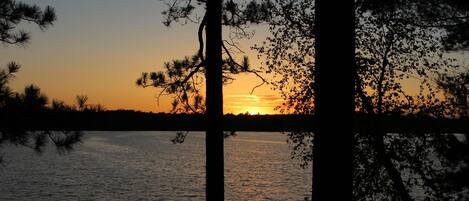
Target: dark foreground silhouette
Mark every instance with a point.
(123, 120)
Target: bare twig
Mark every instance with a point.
(264, 81)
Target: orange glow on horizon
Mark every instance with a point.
(251, 104)
(101, 57)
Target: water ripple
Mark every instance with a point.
(146, 166)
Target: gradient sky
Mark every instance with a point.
(99, 47)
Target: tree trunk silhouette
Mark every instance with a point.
(394, 174)
(382, 155)
(214, 103)
(334, 100)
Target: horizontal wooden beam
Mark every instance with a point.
(114, 121)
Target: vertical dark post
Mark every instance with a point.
(214, 102)
(334, 101)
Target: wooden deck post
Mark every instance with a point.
(334, 101)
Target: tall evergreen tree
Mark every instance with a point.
(13, 13)
(214, 104)
(182, 78)
(17, 109)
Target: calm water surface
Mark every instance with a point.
(147, 166)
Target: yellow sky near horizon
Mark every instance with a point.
(98, 48)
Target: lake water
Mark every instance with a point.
(147, 166)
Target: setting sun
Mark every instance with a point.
(234, 100)
(251, 104)
(253, 112)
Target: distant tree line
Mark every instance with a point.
(397, 42)
(16, 108)
(28, 119)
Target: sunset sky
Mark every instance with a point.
(98, 48)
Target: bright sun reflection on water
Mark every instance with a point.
(134, 165)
